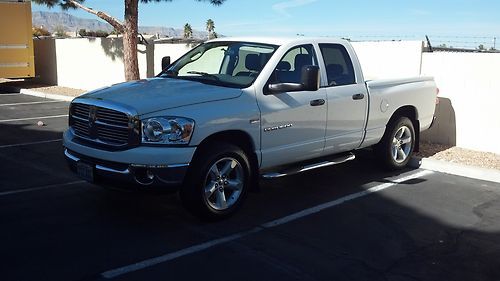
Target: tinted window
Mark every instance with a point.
(289, 68)
(251, 60)
(338, 64)
(229, 64)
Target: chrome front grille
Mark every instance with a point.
(104, 126)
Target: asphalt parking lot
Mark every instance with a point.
(348, 222)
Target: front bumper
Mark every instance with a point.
(144, 167)
(130, 175)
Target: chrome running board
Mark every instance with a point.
(297, 170)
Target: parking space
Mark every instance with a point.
(30, 153)
(9, 98)
(19, 115)
(347, 222)
(35, 109)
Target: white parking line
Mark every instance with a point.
(28, 143)
(1, 95)
(29, 103)
(39, 188)
(33, 118)
(304, 213)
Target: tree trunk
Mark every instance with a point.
(130, 40)
(111, 20)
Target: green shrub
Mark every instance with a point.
(40, 31)
(98, 33)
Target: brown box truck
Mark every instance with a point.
(16, 42)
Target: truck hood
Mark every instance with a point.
(151, 95)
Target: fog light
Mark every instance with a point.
(144, 176)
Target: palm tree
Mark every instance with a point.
(210, 28)
(188, 31)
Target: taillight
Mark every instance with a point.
(437, 98)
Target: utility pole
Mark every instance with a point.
(494, 43)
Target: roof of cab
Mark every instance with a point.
(281, 40)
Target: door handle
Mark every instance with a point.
(358, 96)
(317, 102)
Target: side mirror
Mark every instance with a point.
(309, 81)
(165, 62)
(310, 77)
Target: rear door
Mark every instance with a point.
(293, 123)
(347, 100)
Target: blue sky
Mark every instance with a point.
(472, 20)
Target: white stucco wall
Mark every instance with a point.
(175, 51)
(87, 64)
(389, 59)
(470, 83)
(45, 61)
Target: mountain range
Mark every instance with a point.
(52, 20)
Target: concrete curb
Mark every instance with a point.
(29, 92)
(46, 95)
(455, 169)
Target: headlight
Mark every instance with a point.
(167, 130)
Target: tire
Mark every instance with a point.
(217, 182)
(397, 144)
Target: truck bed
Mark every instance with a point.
(387, 95)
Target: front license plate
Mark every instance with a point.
(85, 171)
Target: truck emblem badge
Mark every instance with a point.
(92, 116)
(91, 122)
(274, 128)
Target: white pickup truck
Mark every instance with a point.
(233, 110)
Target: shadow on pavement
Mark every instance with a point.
(434, 228)
(24, 133)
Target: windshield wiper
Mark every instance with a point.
(204, 74)
(167, 73)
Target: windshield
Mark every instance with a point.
(229, 64)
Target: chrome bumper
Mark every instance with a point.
(144, 176)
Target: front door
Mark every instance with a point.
(293, 124)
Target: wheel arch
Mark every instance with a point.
(236, 137)
(411, 113)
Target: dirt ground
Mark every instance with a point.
(35, 86)
(459, 155)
